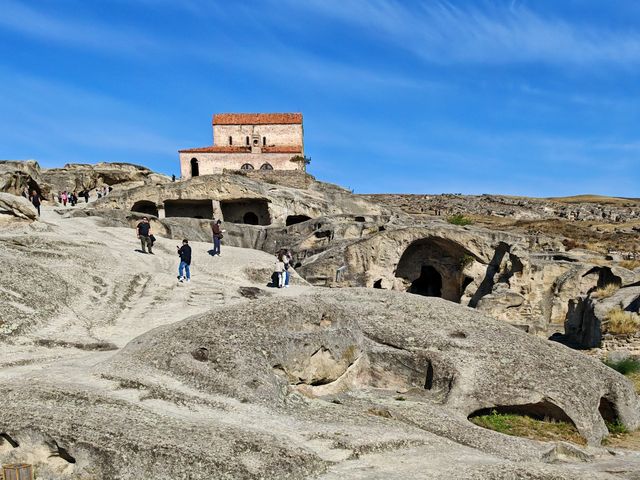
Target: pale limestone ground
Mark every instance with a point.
(157, 300)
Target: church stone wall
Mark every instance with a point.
(275, 134)
(216, 163)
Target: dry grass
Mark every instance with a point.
(635, 378)
(619, 322)
(630, 264)
(630, 441)
(599, 199)
(523, 426)
(606, 291)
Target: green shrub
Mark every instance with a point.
(616, 427)
(524, 426)
(625, 367)
(459, 219)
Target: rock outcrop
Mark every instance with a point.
(313, 389)
(78, 177)
(16, 175)
(17, 206)
(338, 239)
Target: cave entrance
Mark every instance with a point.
(293, 219)
(146, 207)
(543, 410)
(188, 208)
(250, 218)
(250, 211)
(429, 283)
(433, 267)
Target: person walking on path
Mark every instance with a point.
(185, 261)
(35, 200)
(86, 195)
(217, 236)
(64, 198)
(143, 230)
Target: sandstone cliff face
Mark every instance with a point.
(78, 177)
(519, 208)
(528, 280)
(15, 176)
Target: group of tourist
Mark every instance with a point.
(283, 265)
(103, 191)
(69, 197)
(281, 276)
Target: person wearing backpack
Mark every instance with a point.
(143, 230)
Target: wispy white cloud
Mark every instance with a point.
(81, 32)
(74, 118)
(441, 32)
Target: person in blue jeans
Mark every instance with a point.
(217, 235)
(185, 261)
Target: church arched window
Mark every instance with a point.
(246, 166)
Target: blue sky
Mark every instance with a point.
(523, 97)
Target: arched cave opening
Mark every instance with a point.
(608, 411)
(377, 283)
(429, 283)
(605, 277)
(250, 211)
(428, 383)
(293, 219)
(250, 218)
(433, 267)
(146, 207)
(543, 410)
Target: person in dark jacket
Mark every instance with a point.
(143, 229)
(185, 261)
(35, 200)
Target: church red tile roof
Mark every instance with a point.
(257, 118)
(282, 149)
(218, 149)
(243, 149)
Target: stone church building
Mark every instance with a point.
(248, 141)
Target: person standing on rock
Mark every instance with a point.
(279, 269)
(86, 195)
(217, 236)
(185, 261)
(143, 230)
(286, 260)
(35, 200)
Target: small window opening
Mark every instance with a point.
(264, 141)
(195, 170)
(230, 140)
(247, 140)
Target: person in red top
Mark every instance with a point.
(217, 235)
